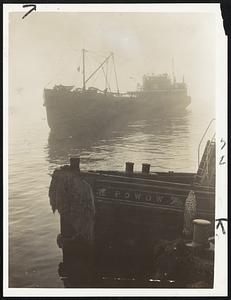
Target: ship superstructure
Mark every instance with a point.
(70, 108)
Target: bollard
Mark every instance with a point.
(74, 163)
(201, 233)
(129, 167)
(145, 168)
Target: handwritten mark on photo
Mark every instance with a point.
(220, 224)
(29, 5)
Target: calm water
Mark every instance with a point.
(167, 144)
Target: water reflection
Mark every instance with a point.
(122, 264)
(115, 267)
(156, 141)
(71, 279)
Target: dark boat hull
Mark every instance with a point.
(135, 212)
(150, 205)
(77, 113)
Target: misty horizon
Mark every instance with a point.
(46, 49)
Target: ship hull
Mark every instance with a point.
(152, 204)
(77, 113)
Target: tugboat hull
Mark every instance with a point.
(154, 204)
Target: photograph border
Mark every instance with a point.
(221, 241)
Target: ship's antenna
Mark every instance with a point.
(84, 82)
(117, 86)
(173, 72)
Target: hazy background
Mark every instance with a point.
(46, 48)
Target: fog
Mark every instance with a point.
(45, 49)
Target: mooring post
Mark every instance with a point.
(74, 163)
(200, 244)
(145, 168)
(66, 228)
(129, 167)
(201, 232)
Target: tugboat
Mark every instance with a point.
(153, 202)
(76, 111)
(135, 210)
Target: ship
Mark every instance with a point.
(78, 110)
(135, 212)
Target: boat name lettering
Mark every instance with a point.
(143, 196)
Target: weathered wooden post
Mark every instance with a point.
(145, 168)
(72, 196)
(129, 167)
(74, 163)
(66, 229)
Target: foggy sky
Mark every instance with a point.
(45, 47)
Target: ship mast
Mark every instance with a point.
(84, 82)
(99, 67)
